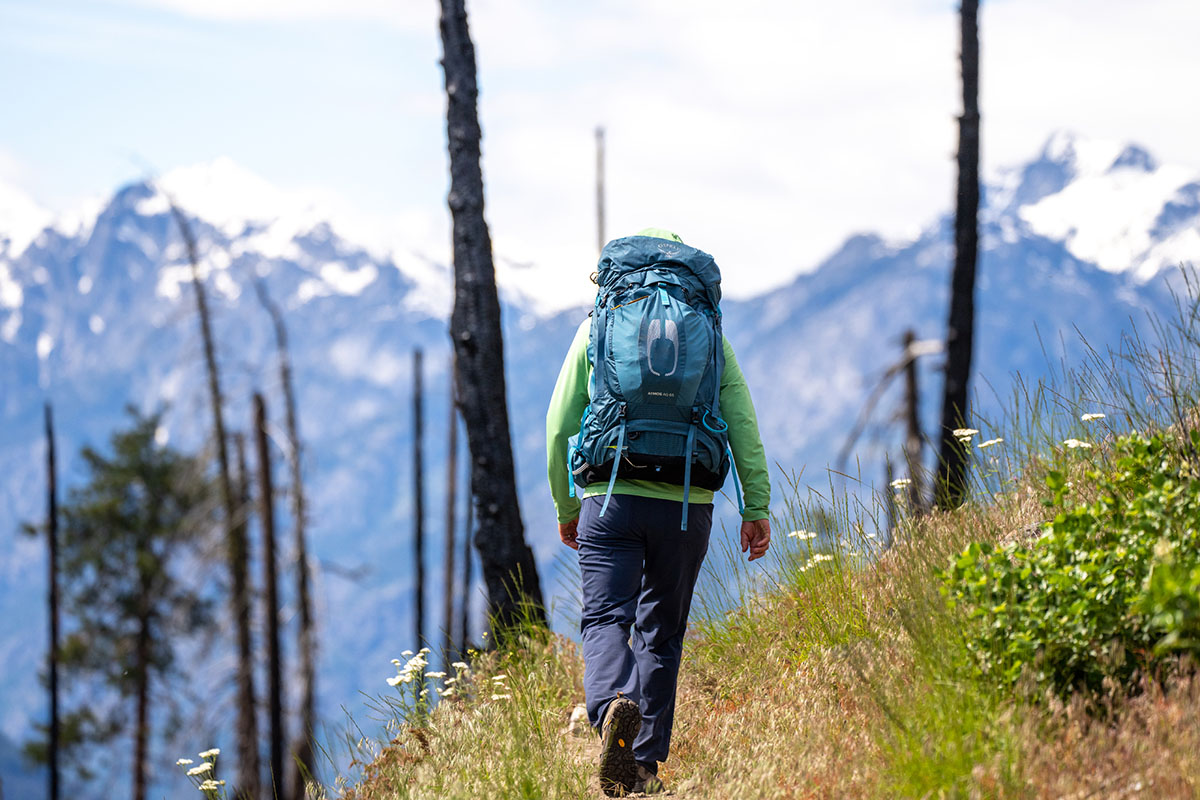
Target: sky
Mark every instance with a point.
(762, 132)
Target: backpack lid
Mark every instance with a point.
(631, 253)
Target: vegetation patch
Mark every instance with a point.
(1109, 589)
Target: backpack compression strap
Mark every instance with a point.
(687, 471)
(737, 487)
(617, 464)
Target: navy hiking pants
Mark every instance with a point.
(638, 573)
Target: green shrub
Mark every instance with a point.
(1108, 589)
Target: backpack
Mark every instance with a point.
(657, 356)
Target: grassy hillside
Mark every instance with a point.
(1037, 642)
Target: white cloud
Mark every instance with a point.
(403, 15)
(763, 133)
(1107, 69)
(766, 132)
(21, 220)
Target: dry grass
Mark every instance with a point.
(1151, 750)
(488, 745)
(841, 681)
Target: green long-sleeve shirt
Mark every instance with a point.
(571, 398)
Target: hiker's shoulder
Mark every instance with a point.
(582, 334)
(730, 356)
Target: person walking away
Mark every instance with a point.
(649, 414)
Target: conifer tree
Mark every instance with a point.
(121, 543)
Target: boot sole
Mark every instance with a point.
(618, 767)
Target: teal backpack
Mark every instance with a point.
(657, 355)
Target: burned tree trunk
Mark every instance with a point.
(889, 476)
(247, 731)
(419, 498)
(451, 502)
(468, 528)
(235, 535)
(52, 600)
(600, 240)
(508, 565)
(952, 461)
(302, 750)
(912, 423)
(266, 514)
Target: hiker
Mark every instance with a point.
(648, 378)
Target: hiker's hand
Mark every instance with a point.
(756, 537)
(567, 531)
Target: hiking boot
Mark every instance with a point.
(647, 782)
(618, 768)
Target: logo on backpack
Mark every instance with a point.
(662, 347)
(657, 356)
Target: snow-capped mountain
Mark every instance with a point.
(1112, 206)
(97, 312)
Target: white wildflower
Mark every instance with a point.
(500, 677)
(213, 753)
(989, 443)
(803, 535)
(460, 665)
(1075, 443)
(200, 770)
(396, 680)
(407, 653)
(183, 762)
(210, 785)
(965, 435)
(435, 674)
(1091, 416)
(819, 557)
(901, 483)
(502, 697)
(423, 651)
